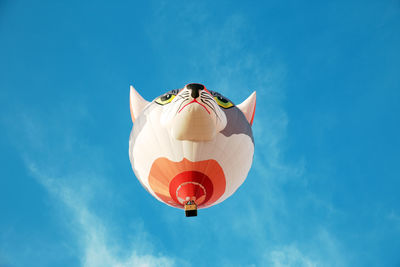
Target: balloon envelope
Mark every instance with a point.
(191, 144)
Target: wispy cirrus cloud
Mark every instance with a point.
(91, 232)
(289, 256)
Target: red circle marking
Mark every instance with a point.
(191, 185)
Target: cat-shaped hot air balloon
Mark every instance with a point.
(191, 147)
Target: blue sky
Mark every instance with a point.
(324, 186)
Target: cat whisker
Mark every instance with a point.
(209, 104)
(207, 96)
(179, 108)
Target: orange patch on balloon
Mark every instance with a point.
(176, 182)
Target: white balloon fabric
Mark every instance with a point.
(191, 145)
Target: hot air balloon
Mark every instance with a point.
(191, 148)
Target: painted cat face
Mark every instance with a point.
(191, 140)
(193, 114)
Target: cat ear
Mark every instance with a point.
(248, 107)
(137, 103)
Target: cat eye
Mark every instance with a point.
(223, 102)
(165, 99)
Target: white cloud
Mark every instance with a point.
(91, 233)
(289, 256)
(321, 249)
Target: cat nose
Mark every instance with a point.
(195, 88)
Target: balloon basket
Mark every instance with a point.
(190, 209)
